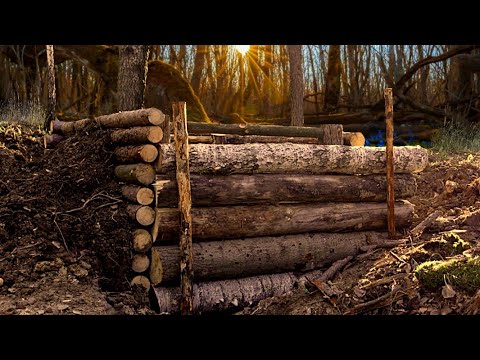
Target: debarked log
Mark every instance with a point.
(293, 158)
(233, 222)
(215, 190)
(260, 255)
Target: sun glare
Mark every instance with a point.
(242, 49)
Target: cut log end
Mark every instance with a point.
(353, 139)
(137, 135)
(142, 241)
(143, 174)
(142, 281)
(137, 194)
(145, 153)
(155, 116)
(140, 263)
(144, 215)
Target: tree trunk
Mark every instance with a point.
(138, 194)
(132, 74)
(328, 134)
(137, 135)
(353, 139)
(125, 119)
(266, 255)
(136, 153)
(293, 158)
(215, 190)
(138, 174)
(296, 84)
(144, 215)
(142, 241)
(52, 98)
(227, 222)
(198, 66)
(332, 82)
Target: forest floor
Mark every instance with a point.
(65, 239)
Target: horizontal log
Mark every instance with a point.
(227, 294)
(137, 135)
(353, 139)
(140, 263)
(255, 256)
(141, 280)
(215, 190)
(123, 119)
(292, 158)
(140, 174)
(136, 153)
(323, 133)
(142, 241)
(52, 140)
(138, 194)
(248, 139)
(144, 215)
(233, 222)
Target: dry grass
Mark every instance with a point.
(30, 113)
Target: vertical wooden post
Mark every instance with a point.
(184, 206)
(390, 170)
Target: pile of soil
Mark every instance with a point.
(64, 234)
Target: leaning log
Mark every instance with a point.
(140, 174)
(136, 153)
(292, 158)
(329, 134)
(215, 190)
(353, 139)
(144, 215)
(233, 222)
(123, 119)
(52, 140)
(227, 294)
(255, 256)
(137, 194)
(137, 135)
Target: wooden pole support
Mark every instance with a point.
(390, 168)
(184, 206)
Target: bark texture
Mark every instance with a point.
(132, 73)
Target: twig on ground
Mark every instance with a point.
(418, 230)
(63, 238)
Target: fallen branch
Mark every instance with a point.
(418, 230)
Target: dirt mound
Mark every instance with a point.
(61, 206)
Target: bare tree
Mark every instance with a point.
(52, 99)
(132, 75)
(198, 67)
(296, 85)
(332, 82)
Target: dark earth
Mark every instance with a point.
(65, 238)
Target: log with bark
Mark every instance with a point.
(255, 256)
(140, 263)
(215, 190)
(142, 241)
(227, 294)
(52, 140)
(144, 215)
(124, 119)
(140, 174)
(292, 158)
(248, 139)
(230, 222)
(353, 139)
(136, 153)
(328, 134)
(137, 135)
(138, 194)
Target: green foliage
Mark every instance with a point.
(30, 113)
(464, 273)
(457, 137)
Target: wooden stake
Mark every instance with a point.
(184, 206)
(390, 169)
